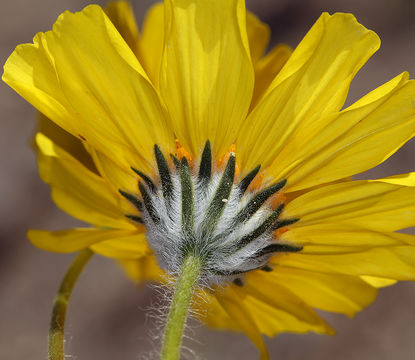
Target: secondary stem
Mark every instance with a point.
(183, 293)
(60, 304)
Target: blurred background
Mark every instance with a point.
(107, 315)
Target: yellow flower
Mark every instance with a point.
(310, 237)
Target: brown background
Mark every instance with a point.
(107, 317)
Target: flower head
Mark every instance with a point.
(186, 138)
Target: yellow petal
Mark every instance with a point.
(117, 176)
(208, 310)
(267, 68)
(313, 83)
(152, 42)
(258, 36)
(206, 76)
(122, 16)
(343, 235)
(142, 269)
(76, 190)
(289, 312)
(401, 179)
(232, 304)
(85, 78)
(378, 282)
(330, 292)
(272, 314)
(394, 262)
(358, 138)
(67, 142)
(66, 241)
(372, 204)
(272, 321)
(129, 246)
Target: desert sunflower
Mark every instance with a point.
(185, 146)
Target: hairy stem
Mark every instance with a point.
(60, 304)
(183, 294)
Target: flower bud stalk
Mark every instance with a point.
(182, 298)
(57, 323)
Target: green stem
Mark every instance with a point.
(183, 294)
(60, 304)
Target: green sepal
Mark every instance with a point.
(218, 203)
(246, 181)
(148, 203)
(267, 224)
(267, 268)
(275, 248)
(146, 179)
(257, 201)
(284, 222)
(132, 199)
(135, 218)
(232, 273)
(187, 197)
(164, 172)
(238, 282)
(176, 162)
(205, 169)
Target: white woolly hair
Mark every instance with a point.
(167, 238)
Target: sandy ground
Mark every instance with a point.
(107, 317)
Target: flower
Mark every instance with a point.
(279, 241)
